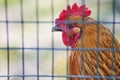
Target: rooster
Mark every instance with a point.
(95, 50)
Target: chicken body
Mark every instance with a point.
(102, 62)
(95, 50)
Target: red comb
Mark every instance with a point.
(75, 10)
(84, 11)
(63, 15)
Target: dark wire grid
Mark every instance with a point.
(63, 49)
(47, 22)
(37, 35)
(97, 43)
(82, 37)
(113, 38)
(22, 28)
(64, 76)
(53, 49)
(52, 18)
(67, 50)
(7, 34)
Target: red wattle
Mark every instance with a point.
(67, 40)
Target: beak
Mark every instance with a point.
(56, 28)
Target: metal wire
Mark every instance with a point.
(82, 37)
(113, 38)
(64, 76)
(97, 43)
(7, 34)
(22, 28)
(52, 18)
(39, 74)
(67, 50)
(37, 35)
(47, 22)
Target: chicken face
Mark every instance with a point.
(70, 32)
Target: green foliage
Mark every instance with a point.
(9, 2)
(3, 54)
(2, 2)
(13, 55)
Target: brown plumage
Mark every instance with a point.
(90, 41)
(100, 56)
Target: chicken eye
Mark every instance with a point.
(70, 26)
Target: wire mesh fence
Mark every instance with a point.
(28, 48)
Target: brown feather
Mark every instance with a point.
(89, 40)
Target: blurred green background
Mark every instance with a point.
(45, 35)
